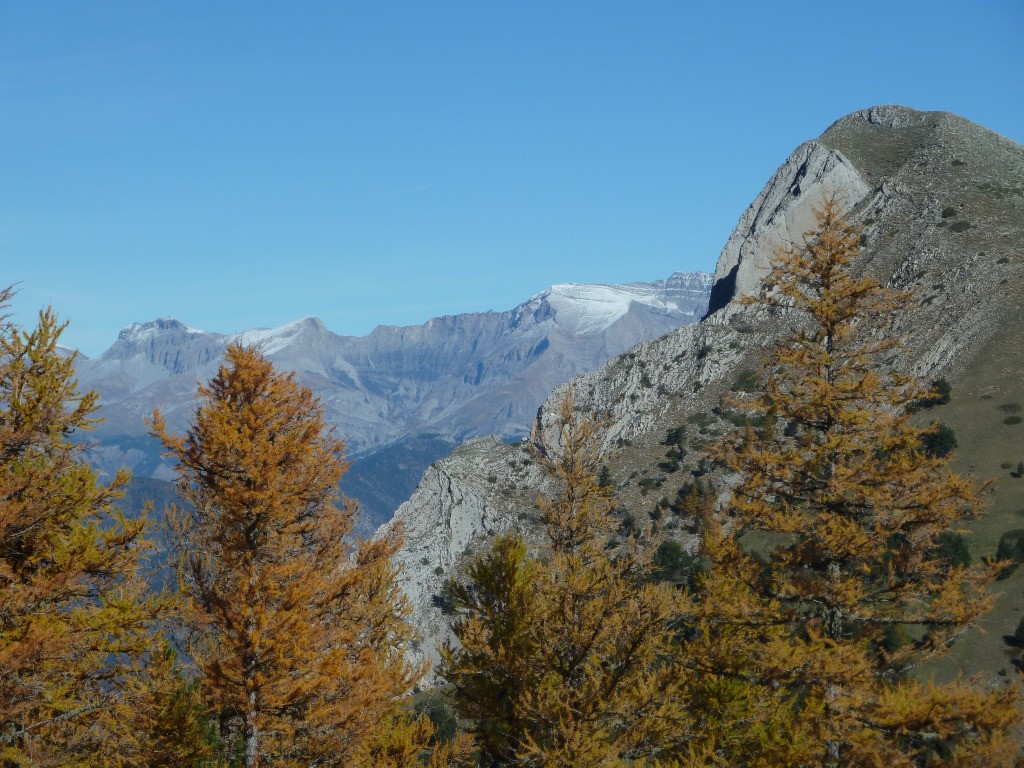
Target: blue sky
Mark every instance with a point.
(244, 164)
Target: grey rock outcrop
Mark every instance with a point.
(781, 213)
(459, 504)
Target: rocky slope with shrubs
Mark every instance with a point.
(941, 204)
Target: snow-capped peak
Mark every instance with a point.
(140, 331)
(593, 307)
(271, 340)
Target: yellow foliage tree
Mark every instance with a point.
(75, 617)
(404, 744)
(793, 638)
(562, 659)
(298, 636)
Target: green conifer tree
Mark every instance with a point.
(562, 659)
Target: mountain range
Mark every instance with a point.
(401, 397)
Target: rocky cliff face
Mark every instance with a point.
(782, 212)
(941, 203)
(414, 391)
(483, 488)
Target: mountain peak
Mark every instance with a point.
(309, 322)
(589, 308)
(891, 116)
(138, 331)
(939, 202)
(271, 340)
(686, 281)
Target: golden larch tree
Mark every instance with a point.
(299, 636)
(793, 641)
(76, 618)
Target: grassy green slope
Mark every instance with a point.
(991, 393)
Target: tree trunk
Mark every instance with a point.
(251, 735)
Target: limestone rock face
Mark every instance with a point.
(458, 504)
(780, 214)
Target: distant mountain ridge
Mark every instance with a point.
(417, 390)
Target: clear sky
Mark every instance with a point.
(242, 164)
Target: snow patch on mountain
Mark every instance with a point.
(592, 308)
(272, 340)
(142, 331)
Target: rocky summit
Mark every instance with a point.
(940, 201)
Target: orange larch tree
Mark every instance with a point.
(793, 640)
(299, 636)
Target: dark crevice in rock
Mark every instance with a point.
(722, 291)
